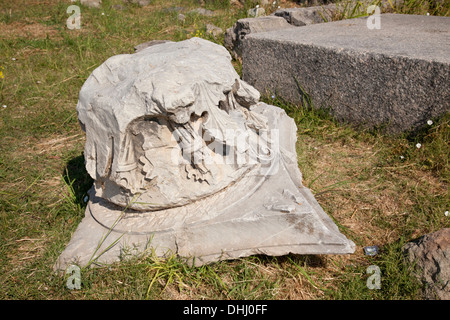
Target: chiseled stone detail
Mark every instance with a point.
(187, 160)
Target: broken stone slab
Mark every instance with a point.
(309, 15)
(393, 78)
(329, 12)
(235, 35)
(187, 161)
(181, 17)
(430, 255)
(296, 17)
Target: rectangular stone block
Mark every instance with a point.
(395, 77)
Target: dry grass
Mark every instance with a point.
(27, 29)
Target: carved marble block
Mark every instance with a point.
(187, 160)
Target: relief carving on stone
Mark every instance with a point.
(183, 131)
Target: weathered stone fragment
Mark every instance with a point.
(395, 77)
(91, 3)
(304, 16)
(213, 30)
(187, 160)
(430, 255)
(235, 35)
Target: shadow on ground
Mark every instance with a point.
(76, 176)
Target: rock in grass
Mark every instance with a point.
(213, 30)
(256, 12)
(141, 3)
(305, 16)
(202, 12)
(91, 3)
(430, 254)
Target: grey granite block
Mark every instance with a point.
(394, 77)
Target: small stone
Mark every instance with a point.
(305, 16)
(91, 3)
(181, 17)
(202, 12)
(149, 118)
(256, 12)
(237, 3)
(213, 30)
